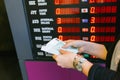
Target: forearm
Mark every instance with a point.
(96, 72)
(100, 73)
(97, 50)
(82, 64)
(102, 53)
(86, 66)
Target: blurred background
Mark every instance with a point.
(9, 66)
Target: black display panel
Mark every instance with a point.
(90, 20)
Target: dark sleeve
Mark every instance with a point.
(98, 72)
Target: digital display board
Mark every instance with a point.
(90, 20)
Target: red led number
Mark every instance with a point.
(92, 20)
(67, 11)
(92, 1)
(66, 2)
(68, 20)
(60, 37)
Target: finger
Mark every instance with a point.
(54, 56)
(64, 51)
(81, 49)
(68, 44)
(67, 41)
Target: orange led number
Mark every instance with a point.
(58, 20)
(92, 1)
(92, 10)
(60, 37)
(92, 20)
(59, 29)
(57, 11)
(92, 38)
(92, 29)
(57, 2)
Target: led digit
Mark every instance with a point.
(103, 9)
(113, 19)
(66, 2)
(92, 1)
(59, 30)
(57, 2)
(68, 20)
(60, 37)
(99, 1)
(92, 38)
(114, 9)
(67, 11)
(92, 20)
(108, 20)
(57, 11)
(92, 10)
(58, 20)
(92, 29)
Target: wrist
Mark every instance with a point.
(78, 62)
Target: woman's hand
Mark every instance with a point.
(91, 48)
(65, 59)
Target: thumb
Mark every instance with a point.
(81, 50)
(62, 51)
(67, 45)
(54, 56)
